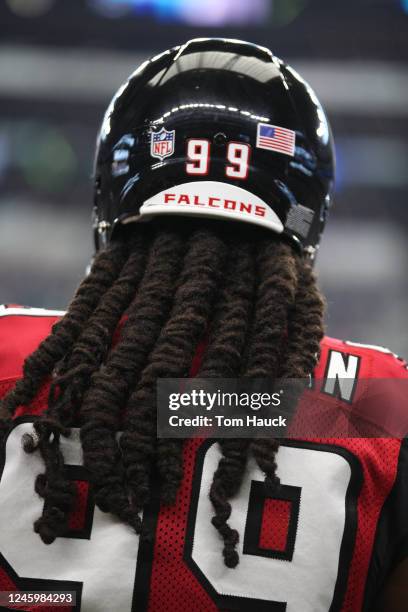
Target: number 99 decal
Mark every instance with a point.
(199, 152)
(238, 154)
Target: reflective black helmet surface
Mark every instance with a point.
(218, 128)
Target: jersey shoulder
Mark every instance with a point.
(21, 331)
(344, 357)
(359, 389)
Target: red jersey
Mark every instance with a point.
(327, 542)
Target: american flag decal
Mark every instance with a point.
(275, 138)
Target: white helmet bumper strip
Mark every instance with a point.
(211, 199)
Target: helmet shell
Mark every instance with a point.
(221, 128)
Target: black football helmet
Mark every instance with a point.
(218, 128)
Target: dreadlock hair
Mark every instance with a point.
(170, 284)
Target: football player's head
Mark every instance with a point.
(220, 129)
(212, 180)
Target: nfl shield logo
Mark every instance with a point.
(162, 143)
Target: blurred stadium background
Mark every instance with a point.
(60, 62)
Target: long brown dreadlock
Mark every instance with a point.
(245, 291)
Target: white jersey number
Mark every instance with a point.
(67, 559)
(304, 576)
